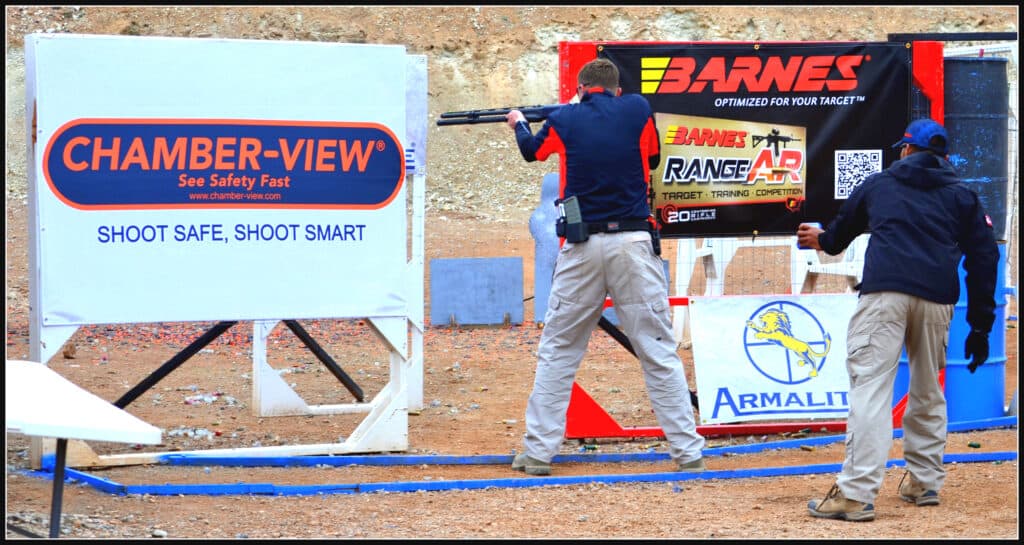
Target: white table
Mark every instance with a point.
(40, 402)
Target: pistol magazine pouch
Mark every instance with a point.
(570, 222)
(573, 232)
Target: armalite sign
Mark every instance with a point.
(786, 357)
(759, 137)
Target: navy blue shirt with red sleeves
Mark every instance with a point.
(608, 144)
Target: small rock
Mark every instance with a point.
(159, 533)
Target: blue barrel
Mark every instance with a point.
(977, 112)
(980, 395)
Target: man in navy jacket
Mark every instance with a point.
(922, 220)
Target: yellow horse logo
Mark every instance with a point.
(775, 328)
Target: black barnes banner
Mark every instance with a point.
(756, 138)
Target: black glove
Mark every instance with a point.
(976, 348)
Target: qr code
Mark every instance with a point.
(852, 166)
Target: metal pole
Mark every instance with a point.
(624, 341)
(323, 356)
(173, 363)
(58, 488)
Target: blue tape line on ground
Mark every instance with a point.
(521, 482)
(201, 489)
(271, 489)
(99, 483)
(967, 458)
(73, 475)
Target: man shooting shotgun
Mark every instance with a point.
(609, 144)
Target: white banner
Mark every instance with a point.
(771, 357)
(190, 179)
(416, 115)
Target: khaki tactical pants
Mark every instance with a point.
(623, 265)
(879, 328)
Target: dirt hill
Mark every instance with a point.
(479, 57)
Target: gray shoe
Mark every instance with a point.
(530, 465)
(913, 491)
(693, 466)
(837, 506)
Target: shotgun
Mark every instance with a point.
(496, 115)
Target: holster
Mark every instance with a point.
(570, 221)
(573, 232)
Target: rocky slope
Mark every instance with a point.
(478, 57)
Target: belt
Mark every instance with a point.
(615, 226)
